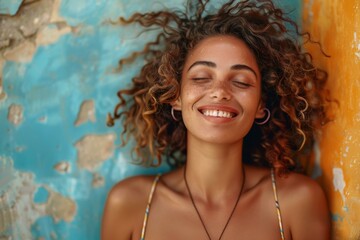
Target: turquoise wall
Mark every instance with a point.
(58, 159)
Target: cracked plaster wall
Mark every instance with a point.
(58, 159)
(336, 24)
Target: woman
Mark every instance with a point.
(230, 98)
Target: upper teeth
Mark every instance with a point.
(217, 113)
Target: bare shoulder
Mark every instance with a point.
(130, 189)
(304, 205)
(300, 190)
(125, 207)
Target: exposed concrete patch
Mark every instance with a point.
(51, 33)
(53, 235)
(60, 207)
(356, 46)
(6, 172)
(23, 52)
(93, 150)
(98, 180)
(20, 148)
(3, 94)
(86, 112)
(20, 30)
(17, 208)
(18, 211)
(339, 182)
(7, 215)
(7, 175)
(36, 23)
(15, 114)
(63, 167)
(5, 238)
(43, 119)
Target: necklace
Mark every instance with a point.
(198, 213)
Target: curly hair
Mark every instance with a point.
(293, 89)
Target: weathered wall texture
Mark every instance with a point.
(336, 24)
(58, 159)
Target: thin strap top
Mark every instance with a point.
(147, 211)
(277, 205)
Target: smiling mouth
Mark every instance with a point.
(218, 113)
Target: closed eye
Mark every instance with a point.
(200, 78)
(241, 84)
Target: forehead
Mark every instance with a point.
(224, 50)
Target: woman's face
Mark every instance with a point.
(220, 90)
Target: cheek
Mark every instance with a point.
(190, 94)
(249, 100)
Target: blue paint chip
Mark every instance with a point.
(336, 217)
(41, 196)
(9, 6)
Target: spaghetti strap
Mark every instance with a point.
(147, 211)
(277, 204)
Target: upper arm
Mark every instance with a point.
(122, 210)
(114, 225)
(309, 218)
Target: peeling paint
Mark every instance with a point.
(20, 148)
(18, 210)
(98, 180)
(336, 217)
(17, 35)
(53, 235)
(356, 46)
(15, 114)
(6, 172)
(21, 53)
(94, 149)
(43, 119)
(63, 167)
(3, 95)
(86, 112)
(52, 32)
(339, 182)
(36, 23)
(5, 238)
(7, 212)
(60, 207)
(8, 216)
(317, 172)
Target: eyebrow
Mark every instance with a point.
(213, 65)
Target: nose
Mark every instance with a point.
(220, 90)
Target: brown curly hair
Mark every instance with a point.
(293, 89)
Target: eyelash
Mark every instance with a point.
(199, 79)
(241, 84)
(236, 83)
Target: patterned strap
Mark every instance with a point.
(147, 211)
(277, 204)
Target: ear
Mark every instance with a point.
(260, 113)
(176, 104)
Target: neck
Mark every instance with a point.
(214, 171)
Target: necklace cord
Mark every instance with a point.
(198, 213)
